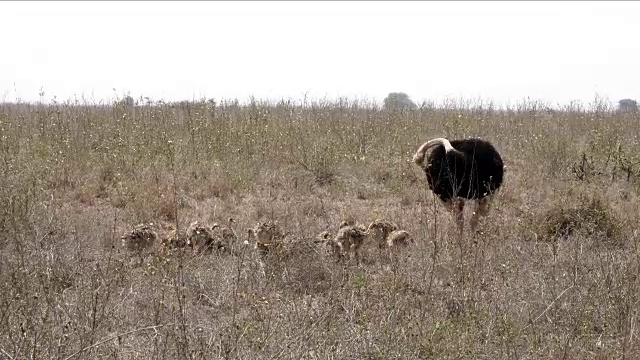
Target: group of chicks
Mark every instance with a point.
(350, 238)
(201, 238)
(266, 237)
(198, 237)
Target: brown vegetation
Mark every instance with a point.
(551, 274)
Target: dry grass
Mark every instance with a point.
(552, 274)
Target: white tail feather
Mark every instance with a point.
(418, 157)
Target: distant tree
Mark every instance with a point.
(126, 101)
(399, 100)
(627, 105)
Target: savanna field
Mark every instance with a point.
(552, 272)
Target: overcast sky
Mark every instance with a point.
(550, 50)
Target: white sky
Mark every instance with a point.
(550, 50)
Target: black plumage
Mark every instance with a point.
(473, 169)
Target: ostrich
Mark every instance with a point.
(399, 238)
(141, 237)
(228, 234)
(225, 236)
(349, 222)
(347, 241)
(462, 170)
(269, 243)
(200, 238)
(351, 238)
(380, 230)
(388, 236)
(267, 235)
(174, 240)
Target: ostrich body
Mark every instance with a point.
(389, 236)
(224, 236)
(380, 230)
(267, 235)
(461, 170)
(350, 238)
(141, 237)
(399, 238)
(347, 242)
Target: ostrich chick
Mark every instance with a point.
(141, 237)
(267, 235)
(347, 241)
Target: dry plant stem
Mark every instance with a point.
(178, 281)
(553, 273)
(236, 285)
(6, 354)
(154, 327)
(434, 255)
(547, 308)
(478, 266)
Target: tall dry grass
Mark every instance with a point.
(554, 273)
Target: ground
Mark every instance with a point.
(552, 272)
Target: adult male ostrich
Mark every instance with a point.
(461, 170)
